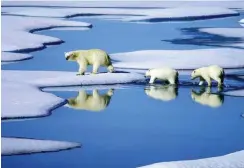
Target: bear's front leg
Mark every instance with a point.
(82, 68)
(208, 80)
(95, 68)
(152, 79)
(201, 81)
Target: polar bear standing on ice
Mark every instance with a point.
(91, 102)
(166, 74)
(208, 73)
(95, 57)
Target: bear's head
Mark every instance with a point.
(111, 68)
(148, 73)
(70, 56)
(195, 74)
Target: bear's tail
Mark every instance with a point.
(177, 78)
(222, 76)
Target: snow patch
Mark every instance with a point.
(126, 4)
(59, 78)
(229, 33)
(17, 146)
(154, 15)
(235, 93)
(232, 160)
(179, 59)
(10, 57)
(22, 37)
(24, 101)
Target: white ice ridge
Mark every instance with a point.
(18, 146)
(232, 160)
(166, 14)
(179, 59)
(59, 78)
(229, 33)
(17, 36)
(24, 99)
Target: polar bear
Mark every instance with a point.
(164, 93)
(165, 74)
(94, 102)
(95, 57)
(208, 73)
(205, 97)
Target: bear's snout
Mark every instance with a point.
(67, 58)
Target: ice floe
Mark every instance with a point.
(237, 33)
(24, 101)
(18, 146)
(154, 15)
(9, 57)
(59, 78)
(179, 59)
(22, 37)
(124, 4)
(232, 160)
(236, 93)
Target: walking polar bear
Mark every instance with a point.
(95, 57)
(208, 73)
(91, 102)
(165, 74)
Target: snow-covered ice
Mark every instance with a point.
(232, 160)
(23, 98)
(59, 78)
(23, 101)
(9, 57)
(167, 14)
(179, 59)
(22, 37)
(229, 33)
(148, 4)
(17, 146)
(236, 93)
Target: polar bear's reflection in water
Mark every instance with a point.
(205, 97)
(164, 93)
(91, 102)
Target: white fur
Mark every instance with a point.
(95, 57)
(208, 73)
(165, 74)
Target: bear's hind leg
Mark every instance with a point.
(172, 81)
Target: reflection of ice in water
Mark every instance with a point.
(205, 97)
(164, 93)
(90, 102)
